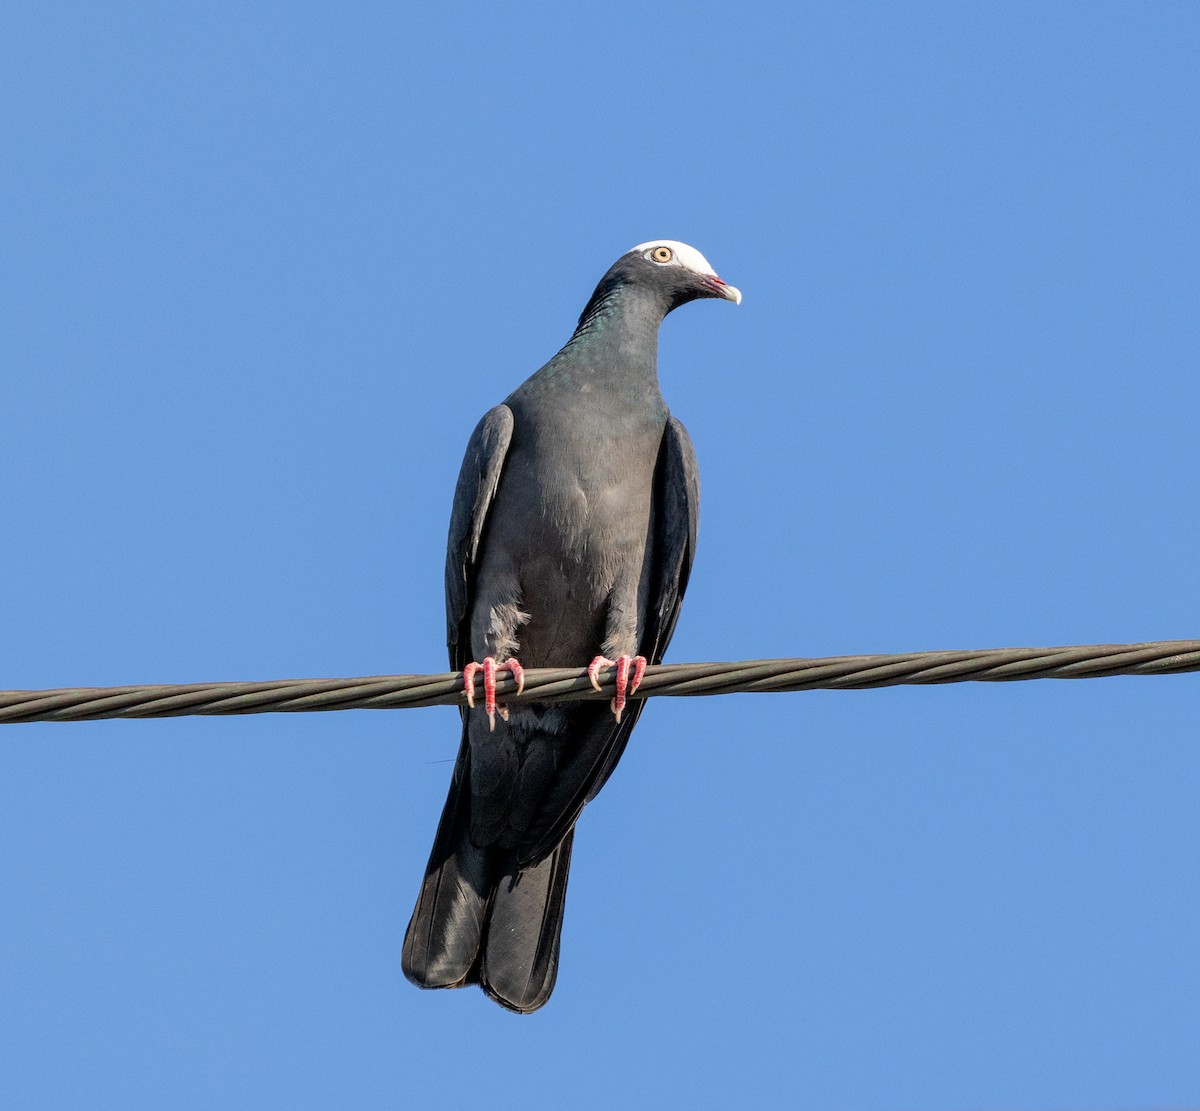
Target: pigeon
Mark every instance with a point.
(571, 540)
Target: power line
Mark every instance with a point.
(393, 692)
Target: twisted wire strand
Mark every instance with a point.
(393, 692)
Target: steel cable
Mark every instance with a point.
(392, 692)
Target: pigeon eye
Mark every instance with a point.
(662, 254)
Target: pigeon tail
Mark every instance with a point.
(480, 920)
(524, 927)
(441, 947)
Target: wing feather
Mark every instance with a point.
(478, 479)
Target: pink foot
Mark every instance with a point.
(489, 667)
(625, 686)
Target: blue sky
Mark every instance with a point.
(263, 268)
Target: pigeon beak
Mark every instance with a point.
(724, 289)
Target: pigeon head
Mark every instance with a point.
(660, 276)
(680, 272)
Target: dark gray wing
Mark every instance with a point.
(597, 742)
(676, 524)
(477, 481)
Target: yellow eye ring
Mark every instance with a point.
(662, 254)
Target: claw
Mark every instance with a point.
(489, 691)
(489, 667)
(594, 670)
(618, 703)
(469, 673)
(639, 670)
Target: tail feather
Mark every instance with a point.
(443, 940)
(524, 928)
(478, 920)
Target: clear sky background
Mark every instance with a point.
(264, 266)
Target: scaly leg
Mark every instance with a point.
(489, 667)
(625, 686)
